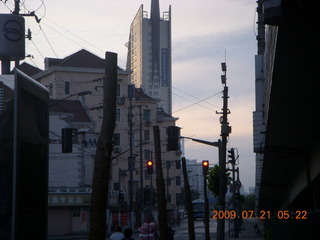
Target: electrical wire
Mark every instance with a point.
(191, 96)
(48, 42)
(87, 42)
(196, 103)
(37, 48)
(192, 101)
(5, 4)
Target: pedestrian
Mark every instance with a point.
(170, 233)
(118, 234)
(127, 234)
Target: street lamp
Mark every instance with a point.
(83, 93)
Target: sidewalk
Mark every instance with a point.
(248, 230)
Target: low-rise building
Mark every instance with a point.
(70, 174)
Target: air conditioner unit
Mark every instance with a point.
(147, 123)
(116, 149)
(120, 100)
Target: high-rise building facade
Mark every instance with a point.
(149, 54)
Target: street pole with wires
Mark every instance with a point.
(225, 130)
(141, 162)
(131, 158)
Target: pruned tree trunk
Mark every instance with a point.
(101, 175)
(162, 205)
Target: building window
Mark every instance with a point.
(178, 181)
(178, 197)
(146, 115)
(168, 164)
(147, 155)
(168, 181)
(178, 164)
(146, 135)
(117, 115)
(67, 87)
(118, 90)
(169, 198)
(116, 186)
(116, 139)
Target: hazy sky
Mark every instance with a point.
(204, 33)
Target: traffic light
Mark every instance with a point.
(205, 167)
(150, 167)
(173, 138)
(231, 156)
(66, 140)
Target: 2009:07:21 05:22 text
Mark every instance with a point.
(282, 214)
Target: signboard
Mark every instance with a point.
(165, 65)
(69, 200)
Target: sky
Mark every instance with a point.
(204, 34)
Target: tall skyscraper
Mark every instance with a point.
(149, 54)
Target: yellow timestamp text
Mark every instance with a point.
(282, 214)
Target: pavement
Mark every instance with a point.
(181, 232)
(247, 230)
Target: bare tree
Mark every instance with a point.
(104, 149)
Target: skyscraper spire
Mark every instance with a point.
(149, 54)
(155, 24)
(155, 10)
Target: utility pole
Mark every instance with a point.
(141, 162)
(131, 158)
(141, 166)
(225, 130)
(234, 189)
(205, 167)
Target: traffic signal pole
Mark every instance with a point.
(205, 167)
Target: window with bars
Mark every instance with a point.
(66, 87)
(146, 115)
(117, 115)
(146, 134)
(116, 139)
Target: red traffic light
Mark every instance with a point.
(205, 166)
(150, 167)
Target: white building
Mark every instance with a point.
(70, 174)
(149, 54)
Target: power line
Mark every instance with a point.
(87, 42)
(189, 94)
(48, 41)
(196, 103)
